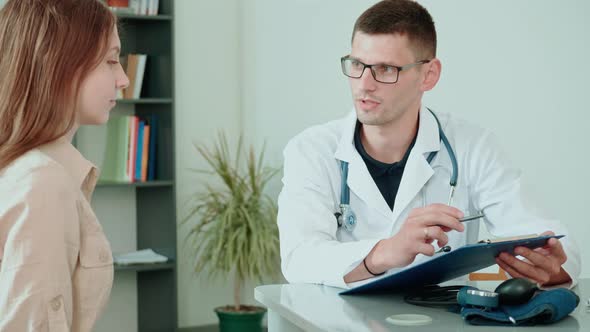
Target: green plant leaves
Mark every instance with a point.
(235, 229)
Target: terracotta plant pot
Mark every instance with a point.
(248, 319)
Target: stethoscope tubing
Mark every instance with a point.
(345, 190)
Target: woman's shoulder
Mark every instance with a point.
(34, 170)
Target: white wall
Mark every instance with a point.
(516, 67)
(207, 100)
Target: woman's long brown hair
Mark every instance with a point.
(47, 48)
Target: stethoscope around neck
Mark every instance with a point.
(346, 217)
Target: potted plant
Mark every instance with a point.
(235, 231)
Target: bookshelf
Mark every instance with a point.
(136, 184)
(141, 215)
(155, 200)
(130, 17)
(146, 101)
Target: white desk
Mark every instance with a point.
(306, 307)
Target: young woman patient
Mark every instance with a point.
(59, 69)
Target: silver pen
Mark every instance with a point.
(480, 214)
(473, 217)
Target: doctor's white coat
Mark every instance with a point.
(315, 250)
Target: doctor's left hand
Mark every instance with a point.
(541, 265)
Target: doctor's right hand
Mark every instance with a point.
(422, 227)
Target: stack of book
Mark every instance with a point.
(130, 154)
(145, 256)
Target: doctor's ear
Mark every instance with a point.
(431, 74)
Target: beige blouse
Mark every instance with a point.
(56, 267)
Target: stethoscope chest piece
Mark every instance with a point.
(346, 218)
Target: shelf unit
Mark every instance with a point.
(130, 17)
(145, 101)
(146, 267)
(156, 183)
(155, 201)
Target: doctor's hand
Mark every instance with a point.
(541, 265)
(422, 227)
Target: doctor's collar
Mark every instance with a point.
(379, 168)
(427, 138)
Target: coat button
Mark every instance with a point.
(103, 256)
(56, 303)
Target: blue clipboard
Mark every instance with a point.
(447, 266)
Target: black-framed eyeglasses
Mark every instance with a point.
(383, 73)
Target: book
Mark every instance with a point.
(152, 150)
(131, 71)
(143, 7)
(114, 166)
(153, 7)
(141, 63)
(135, 71)
(145, 256)
(120, 6)
(144, 155)
(139, 152)
(133, 122)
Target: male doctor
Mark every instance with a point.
(399, 172)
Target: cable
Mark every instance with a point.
(434, 296)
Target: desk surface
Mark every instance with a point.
(319, 308)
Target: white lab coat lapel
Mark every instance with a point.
(360, 181)
(417, 171)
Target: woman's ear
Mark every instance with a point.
(431, 75)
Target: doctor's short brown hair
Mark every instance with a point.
(47, 49)
(404, 17)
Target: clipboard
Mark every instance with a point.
(448, 266)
